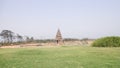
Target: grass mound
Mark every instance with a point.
(107, 42)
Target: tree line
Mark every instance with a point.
(8, 37)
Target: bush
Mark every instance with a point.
(107, 42)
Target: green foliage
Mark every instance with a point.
(44, 41)
(107, 42)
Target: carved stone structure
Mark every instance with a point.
(59, 39)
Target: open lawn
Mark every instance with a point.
(60, 57)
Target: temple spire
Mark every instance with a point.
(59, 37)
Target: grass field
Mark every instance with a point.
(60, 57)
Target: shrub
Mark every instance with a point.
(113, 41)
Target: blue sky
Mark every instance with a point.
(75, 18)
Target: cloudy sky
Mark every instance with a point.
(75, 18)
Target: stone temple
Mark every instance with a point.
(59, 38)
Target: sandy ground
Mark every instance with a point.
(42, 45)
(30, 45)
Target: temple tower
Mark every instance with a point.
(59, 39)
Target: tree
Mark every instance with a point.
(19, 37)
(7, 35)
(27, 38)
(31, 39)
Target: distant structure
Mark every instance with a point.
(59, 39)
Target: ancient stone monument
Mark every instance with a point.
(59, 39)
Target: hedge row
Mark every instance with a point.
(113, 41)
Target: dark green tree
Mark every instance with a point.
(7, 35)
(19, 37)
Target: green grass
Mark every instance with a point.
(60, 57)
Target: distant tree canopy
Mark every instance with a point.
(107, 42)
(71, 39)
(29, 39)
(19, 37)
(44, 40)
(8, 37)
